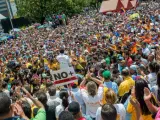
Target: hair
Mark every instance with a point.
(154, 67)
(92, 88)
(139, 92)
(42, 97)
(62, 51)
(108, 112)
(4, 84)
(65, 115)
(64, 96)
(125, 72)
(52, 91)
(26, 108)
(111, 96)
(5, 104)
(6, 79)
(49, 84)
(115, 71)
(74, 108)
(158, 83)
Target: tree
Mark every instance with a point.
(37, 10)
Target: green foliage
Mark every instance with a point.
(37, 9)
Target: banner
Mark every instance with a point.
(64, 76)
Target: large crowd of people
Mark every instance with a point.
(116, 59)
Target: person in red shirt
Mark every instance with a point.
(128, 59)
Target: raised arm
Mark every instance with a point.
(35, 101)
(147, 97)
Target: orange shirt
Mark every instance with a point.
(147, 40)
(126, 38)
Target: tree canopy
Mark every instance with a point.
(38, 9)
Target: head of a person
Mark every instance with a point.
(154, 67)
(5, 106)
(95, 59)
(139, 93)
(42, 97)
(4, 85)
(108, 112)
(138, 59)
(106, 75)
(52, 90)
(150, 57)
(125, 73)
(144, 45)
(65, 115)
(123, 63)
(115, 73)
(127, 55)
(92, 88)
(26, 108)
(111, 96)
(61, 51)
(133, 69)
(74, 108)
(64, 96)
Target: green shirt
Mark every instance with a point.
(41, 115)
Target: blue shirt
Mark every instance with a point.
(111, 85)
(77, 94)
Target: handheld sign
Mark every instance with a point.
(64, 76)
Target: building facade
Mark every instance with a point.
(3, 8)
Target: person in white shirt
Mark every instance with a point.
(152, 76)
(91, 95)
(65, 102)
(111, 98)
(63, 59)
(107, 112)
(52, 98)
(145, 49)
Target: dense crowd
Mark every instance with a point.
(116, 59)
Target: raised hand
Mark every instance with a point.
(147, 94)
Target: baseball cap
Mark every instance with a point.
(74, 107)
(106, 74)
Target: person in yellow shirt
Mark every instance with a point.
(137, 94)
(54, 64)
(127, 84)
